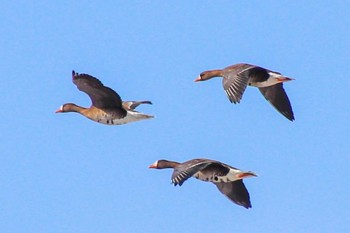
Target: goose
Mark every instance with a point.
(107, 106)
(237, 77)
(226, 178)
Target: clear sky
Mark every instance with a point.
(65, 173)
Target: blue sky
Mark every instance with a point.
(65, 173)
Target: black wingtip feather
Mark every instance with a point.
(291, 118)
(288, 115)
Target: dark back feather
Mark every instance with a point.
(216, 169)
(256, 74)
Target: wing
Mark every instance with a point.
(236, 192)
(234, 85)
(131, 105)
(277, 96)
(100, 95)
(237, 77)
(188, 169)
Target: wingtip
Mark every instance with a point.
(245, 204)
(249, 206)
(74, 74)
(293, 118)
(176, 183)
(289, 116)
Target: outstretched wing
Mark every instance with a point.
(188, 169)
(131, 105)
(277, 96)
(237, 77)
(235, 87)
(101, 96)
(236, 192)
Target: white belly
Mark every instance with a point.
(131, 116)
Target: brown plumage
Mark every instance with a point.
(237, 77)
(226, 178)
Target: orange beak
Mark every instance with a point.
(58, 111)
(284, 79)
(246, 174)
(198, 79)
(154, 165)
